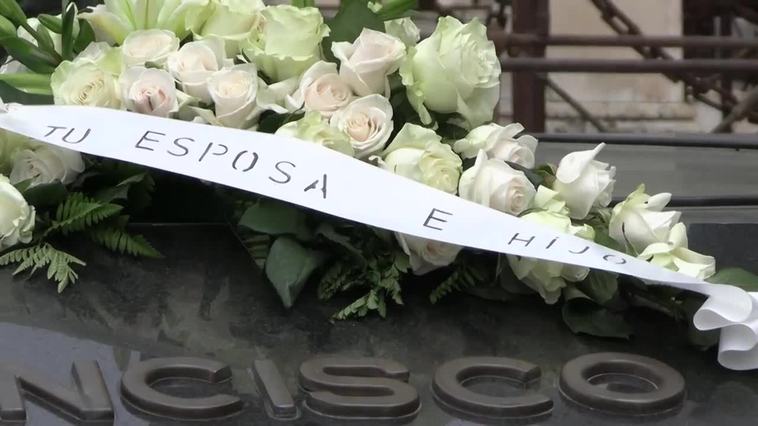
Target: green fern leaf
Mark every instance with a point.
(59, 263)
(80, 212)
(120, 241)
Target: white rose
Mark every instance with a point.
(427, 255)
(116, 19)
(312, 128)
(42, 164)
(419, 154)
(233, 92)
(640, 220)
(194, 64)
(368, 122)
(149, 91)
(673, 254)
(231, 21)
(403, 29)
(548, 277)
(493, 183)
(90, 80)
(16, 216)
(366, 63)
(584, 182)
(289, 43)
(502, 143)
(141, 47)
(321, 89)
(456, 70)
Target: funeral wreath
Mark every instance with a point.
(363, 83)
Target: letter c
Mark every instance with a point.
(137, 390)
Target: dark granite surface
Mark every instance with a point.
(206, 300)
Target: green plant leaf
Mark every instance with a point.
(69, 33)
(59, 263)
(288, 267)
(535, 178)
(30, 55)
(120, 241)
(271, 122)
(7, 29)
(582, 315)
(304, 3)
(394, 9)
(600, 286)
(46, 195)
(52, 23)
(276, 218)
(32, 83)
(12, 10)
(85, 37)
(351, 18)
(736, 277)
(10, 94)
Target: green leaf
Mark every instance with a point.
(120, 241)
(276, 218)
(535, 178)
(12, 10)
(351, 18)
(59, 264)
(737, 277)
(10, 94)
(85, 37)
(30, 55)
(288, 267)
(80, 212)
(32, 83)
(271, 122)
(7, 29)
(52, 23)
(600, 286)
(304, 3)
(68, 34)
(394, 9)
(582, 315)
(46, 195)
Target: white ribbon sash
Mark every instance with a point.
(306, 174)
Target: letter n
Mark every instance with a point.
(88, 400)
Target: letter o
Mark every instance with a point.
(666, 391)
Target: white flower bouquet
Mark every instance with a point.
(363, 84)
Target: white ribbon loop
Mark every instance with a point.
(308, 175)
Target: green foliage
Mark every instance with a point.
(59, 264)
(46, 195)
(9, 94)
(32, 83)
(117, 239)
(7, 29)
(465, 276)
(288, 267)
(351, 18)
(35, 58)
(12, 10)
(584, 315)
(79, 212)
(52, 23)
(276, 218)
(68, 34)
(304, 3)
(736, 277)
(271, 121)
(394, 9)
(381, 273)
